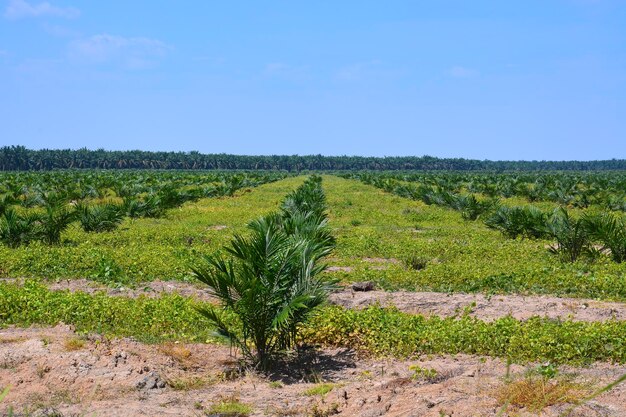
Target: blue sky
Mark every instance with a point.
(519, 79)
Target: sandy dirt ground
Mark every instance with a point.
(426, 303)
(484, 307)
(53, 369)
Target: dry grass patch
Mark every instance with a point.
(73, 343)
(534, 393)
(8, 340)
(191, 382)
(321, 410)
(176, 351)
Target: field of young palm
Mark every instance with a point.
(162, 221)
(437, 239)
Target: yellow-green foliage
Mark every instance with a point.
(383, 332)
(453, 254)
(460, 255)
(230, 408)
(375, 331)
(319, 389)
(145, 249)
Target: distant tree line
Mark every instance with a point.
(20, 158)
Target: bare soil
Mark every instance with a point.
(484, 307)
(48, 369)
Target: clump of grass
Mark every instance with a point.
(176, 351)
(534, 393)
(74, 343)
(320, 389)
(229, 407)
(416, 262)
(275, 384)
(190, 383)
(320, 411)
(7, 340)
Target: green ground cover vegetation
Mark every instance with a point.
(397, 241)
(401, 243)
(375, 331)
(143, 248)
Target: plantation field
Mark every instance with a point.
(398, 243)
(145, 248)
(443, 240)
(405, 244)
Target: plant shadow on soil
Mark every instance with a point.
(309, 364)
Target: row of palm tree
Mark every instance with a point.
(21, 158)
(18, 229)
(470, 207)
(42, 214)
(30, 189)
(590, 234)
(580, 189)
(269, 283)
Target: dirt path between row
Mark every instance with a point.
(484, 307)
(426, 303)
(53, 369)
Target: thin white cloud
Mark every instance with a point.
(60, 31)
(461, 72)
(18, 9)
(357, 71)
(130, 53)
(369, 71)
(286, 71)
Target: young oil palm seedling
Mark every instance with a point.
(54, 220)
(572, 237)
(471, 208)
(307, 198)
(526, 221)
(306, 225)
(271, 284)
(272, 281)
(17, 229)
(99, 218)
(610, 231)
(149, 207)
(6, 201)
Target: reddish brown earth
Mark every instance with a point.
(127, 378)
